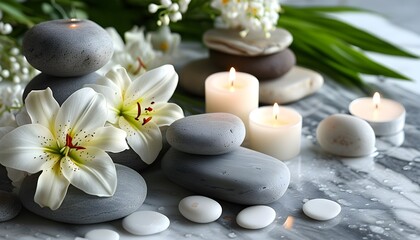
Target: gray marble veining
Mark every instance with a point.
(379, 194)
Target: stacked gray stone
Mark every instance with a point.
(206, 157)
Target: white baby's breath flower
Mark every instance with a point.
(153, 8)
(247, 15)
(169, 11)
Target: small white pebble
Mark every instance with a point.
(256, 217)
(200, 209)
(321, 209)
(145, 223)
(102, 234)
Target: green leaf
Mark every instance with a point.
(14, 9)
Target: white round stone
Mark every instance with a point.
(256, 217)
(145, 223)
(102, 234)
(321, 209)
(200, 209)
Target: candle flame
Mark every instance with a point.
(232, 76)
(73, 23)
(376, 100)
(276, 110)
(288, 224)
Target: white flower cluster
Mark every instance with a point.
(5, 28)
(140, 52)
(14, 66)
(169, 11)
(10, 103)
(247, 15)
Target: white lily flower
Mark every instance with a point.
(140, 106)
(68, 144)
(136, 55)
(164, 40)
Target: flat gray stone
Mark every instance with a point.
(264, 67)
(243, 176)
(81, 208)
(66, 49)
(207, 134)
(62, 87)
(9, 206)
(296, 84)
(254, 44)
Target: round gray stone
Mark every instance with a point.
(62, 87)
(81, 208)
(67, 48)
(9, 206)
(263, 67)
(243, 176)
(207, 134)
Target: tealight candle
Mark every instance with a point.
(232, 92)
(386, 116)
(275, 131)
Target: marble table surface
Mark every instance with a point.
(379, 194)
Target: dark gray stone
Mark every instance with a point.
(265, 67)
(5, 183)
(9, 206)
(67, 48)
(62, 87)
(81, 208)
(243, 176)
(207, 134)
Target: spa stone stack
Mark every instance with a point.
(67, 52)
(270, 60)
(206, 158)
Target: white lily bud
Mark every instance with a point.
(166, 3)
(174, 7)
(175, 17)
(153, 8)
(165, 19)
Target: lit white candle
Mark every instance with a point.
(275, 131)
(386, 116)
(232, 92)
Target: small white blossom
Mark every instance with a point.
(169, 11)
(153, 8)
(166, 3)
(247, 15)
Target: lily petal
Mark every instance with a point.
(113, 98)
(145, 140)
(51, 188)
(22, 117)
(84, 110)
(26, 148)
(166, 113)
(107, 138)
(42, 107)
(157, 85)
(91, 170)
(120, 77)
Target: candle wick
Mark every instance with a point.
(275, 117)
(376, 106)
